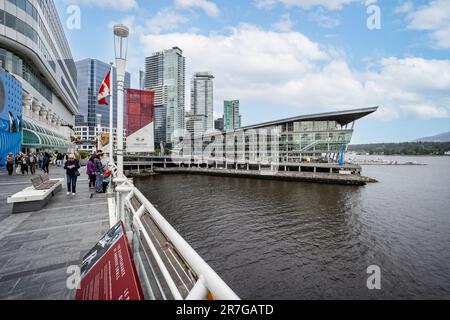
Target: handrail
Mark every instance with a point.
(207, 279)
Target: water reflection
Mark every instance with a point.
(288, 240)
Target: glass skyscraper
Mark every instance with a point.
(165, 76)
(91, 73)
(35, 51)
(201, 117)
(231, 116)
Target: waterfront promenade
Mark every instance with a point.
(37, 247)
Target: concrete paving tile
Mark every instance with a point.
(30, 293)
(34, 255)
(13, 268)
(8, 286)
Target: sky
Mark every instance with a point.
(284, 58)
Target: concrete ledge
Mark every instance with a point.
(329, 178)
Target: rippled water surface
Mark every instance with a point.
(290, 240)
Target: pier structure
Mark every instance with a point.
(305, 148)
(39, 248)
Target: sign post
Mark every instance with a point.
(108, 271)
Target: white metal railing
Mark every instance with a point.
(206, 279)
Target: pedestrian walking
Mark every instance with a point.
(10, 163)
(46, 162)
(90, 171)
(32, 161)
(41, 160)
(24, 164)
(59, 159)
(99, 174)
(72, 165)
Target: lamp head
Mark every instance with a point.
(121, 31)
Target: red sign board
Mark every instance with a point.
(108, 271)
(139, 109)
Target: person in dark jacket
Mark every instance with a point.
(90, 171)
(32, 163)
(10, 163)
(46, 162)
(71, 166)
(24, 164)
(98, 173)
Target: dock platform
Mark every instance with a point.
(37, 247)
(330, 178)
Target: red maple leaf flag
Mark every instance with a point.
(105, 90)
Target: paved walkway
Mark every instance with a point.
(36, 248)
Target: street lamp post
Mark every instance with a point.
(111, 116)
(99, 129)
(121, 34)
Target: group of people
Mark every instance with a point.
(27, 163)
(97, 171)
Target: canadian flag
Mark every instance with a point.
(105, 90)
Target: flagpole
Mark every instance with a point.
(111, 117)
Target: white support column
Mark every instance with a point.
(36, 108)
(27, 109)
(43, 114)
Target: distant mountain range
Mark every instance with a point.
(443, 137)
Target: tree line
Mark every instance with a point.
(406, 148)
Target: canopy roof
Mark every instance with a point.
(341, 117)
(39, 137)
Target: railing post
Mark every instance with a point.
(123, 190)
(199, 291)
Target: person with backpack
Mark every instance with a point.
(10, 163)
(71, 166)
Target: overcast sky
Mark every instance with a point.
(285, 58)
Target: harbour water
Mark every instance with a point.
(293, 240)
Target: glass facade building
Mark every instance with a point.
(320, 138)
(91, 73)
(231, 115)
(202, 102)
(34, 49)
(160, 125)
(165, 76)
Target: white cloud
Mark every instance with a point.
(288, 69)
(370, 2)
(324, 20)
(305, 4)
(434, 18)
(265, 4)
(122, 5)
(165, 20)
(426, 112)
(209, 7)
(405, 7)
(285, 24)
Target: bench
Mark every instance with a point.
(36, 197)
(43, 182)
